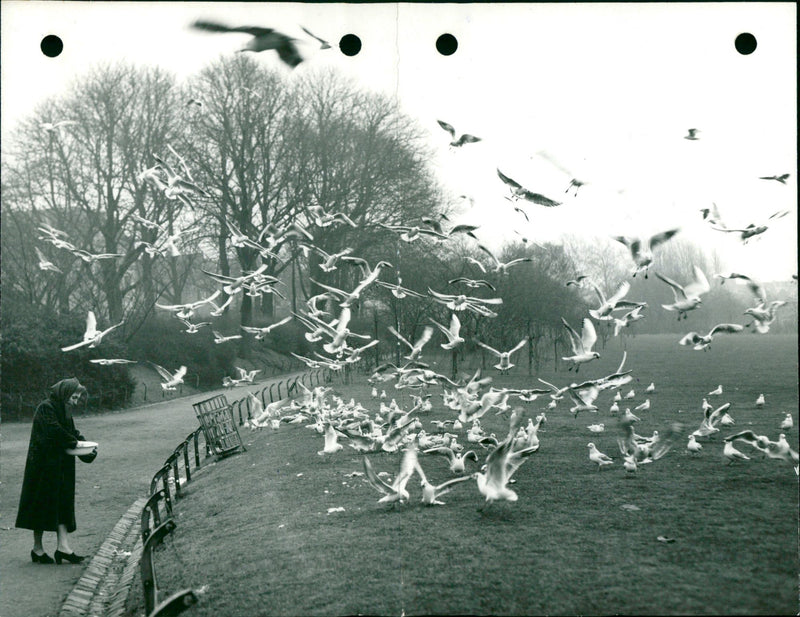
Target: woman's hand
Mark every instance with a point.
(88, 458)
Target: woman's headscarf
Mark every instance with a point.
(61, 391)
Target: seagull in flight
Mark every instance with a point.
(91, 337)
(171, 381)
(110, 361)
(613, 303)
(416, 348)
(687, 298)
(261, 333)
(504, 363)
(452, 333)
(752, 229)
(323, 43)
(466, 138)
(782, 178)
(641, 248)
(520, 192)
(263, 40)
(499, 266)
(46, 264)
(702, 342)
(472, 283)
(462, 302)
(50, 127)
(581, 345)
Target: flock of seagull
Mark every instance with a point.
(326, 319)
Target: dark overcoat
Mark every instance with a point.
(48, 487)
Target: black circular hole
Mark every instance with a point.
(52, 46)
(746, 43)
(446, 44)
(350, 44)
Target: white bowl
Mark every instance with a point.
(82, 447)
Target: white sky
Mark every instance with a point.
(608, 90)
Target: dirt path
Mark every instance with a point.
(133, 445)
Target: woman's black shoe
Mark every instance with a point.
(70, 557)
(43, 558)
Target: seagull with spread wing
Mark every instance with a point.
(613, 303)
(581, 345)
(520, 192)
(499, 266)
(170, 380)
(702, 342)
(416, 348)
(396, 491)
(627, 319)
(263, 39)
(91, 337)
(641, 248)
(452, 333)
(46, 264)
(504, 363)
(687, 298)
(751, 230)
(261, 333)
(462, 302)
(431, 493)
(782, 178)
(323, 44)
(465, 138)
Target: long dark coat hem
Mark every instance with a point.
(48, 487)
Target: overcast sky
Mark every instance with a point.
(606, 91)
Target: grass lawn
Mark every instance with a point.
(256, 530)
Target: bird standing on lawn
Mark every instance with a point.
(598, 457)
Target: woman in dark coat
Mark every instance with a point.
(47, 502)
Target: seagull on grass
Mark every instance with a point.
(598, 457)
(787, 423)
(456, 460)
(431, 493)
(501, 464)
(396, 491)
(760, 402)
(693, 446)
(263, 39)
(732, 454)
(332, 444)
